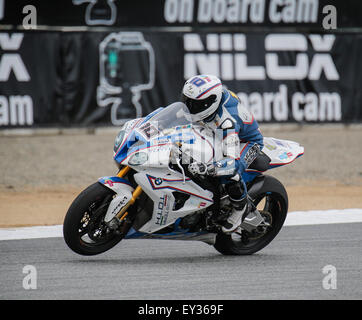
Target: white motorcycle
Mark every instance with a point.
(154, 196)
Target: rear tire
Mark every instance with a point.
(84, 219)
(275, 210)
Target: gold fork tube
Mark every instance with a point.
(123, 172)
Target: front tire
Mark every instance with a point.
(271, 199)
(84, 229)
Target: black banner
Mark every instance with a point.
(102, 78)
(316, 15)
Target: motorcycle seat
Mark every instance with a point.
(261, 162)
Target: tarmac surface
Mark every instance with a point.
(303, 262)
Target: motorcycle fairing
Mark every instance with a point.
(114, 183)
(177, 234)
(156, 182)
(160, 187)
(136, 141)
(280, 152)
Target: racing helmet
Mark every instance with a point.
(202, 95)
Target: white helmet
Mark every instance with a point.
(202, 95)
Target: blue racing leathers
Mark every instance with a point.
(242, 140)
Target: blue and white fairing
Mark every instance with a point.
(147, 142)
(280, 152)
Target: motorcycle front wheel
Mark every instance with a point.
(84, 229)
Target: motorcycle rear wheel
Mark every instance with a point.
(272, 202)
(84, 229)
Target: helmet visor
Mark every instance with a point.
(197, 106)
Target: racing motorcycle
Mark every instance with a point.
(154, 196)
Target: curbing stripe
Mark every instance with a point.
(296, 218)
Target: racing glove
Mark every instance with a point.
(198, 168)
(226, 167)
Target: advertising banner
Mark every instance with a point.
(197, 14)
(100, 78)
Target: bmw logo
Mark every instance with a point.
(158, 181)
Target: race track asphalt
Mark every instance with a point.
(291, 267)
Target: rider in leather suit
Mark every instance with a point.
(220, 109)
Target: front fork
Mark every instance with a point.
(136, 193)
(125, 195)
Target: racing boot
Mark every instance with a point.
(240, 211)
(238, 196)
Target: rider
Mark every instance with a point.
(220, 109)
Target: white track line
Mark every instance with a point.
(31, 232)
(296, 218)
(302, 218)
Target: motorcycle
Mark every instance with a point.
(154, 196)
